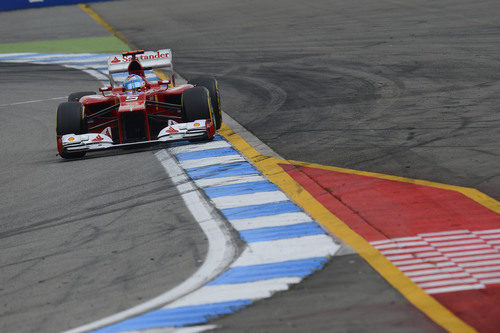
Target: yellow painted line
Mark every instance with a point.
(471, 193)
(101, 21)
(118, 35)
(424, 302)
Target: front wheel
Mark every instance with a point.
(213, 89)
(196, 105)
(71, 119)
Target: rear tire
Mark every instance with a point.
(75, 97)
(213, 89)
(71, 119)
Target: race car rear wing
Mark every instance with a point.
(161, 59)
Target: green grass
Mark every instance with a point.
(77, 45)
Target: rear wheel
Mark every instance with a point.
(213, 89)
(75, 97)
(71, 119)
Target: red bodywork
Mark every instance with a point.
(130, 107)
(137, 116)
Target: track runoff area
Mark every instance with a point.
(439, 245)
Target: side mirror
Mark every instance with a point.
(161, 82)
(106, 88)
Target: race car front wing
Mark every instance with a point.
(196, 130)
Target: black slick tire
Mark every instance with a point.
(71, 119)
(196, 105)
(75, 97)
(213, 89)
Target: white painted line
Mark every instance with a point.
(400, 245)
(408, 250)
(428, 254)
(200, 146)
(491, 281)
(407, 262)
(406, 239)
(8, 55)
(36, 58)
(400, 257)
(287, 249)
(447, 283)
(78, 61)
(495, 236)
(483, 269)
(435, 271)
(424, 266)
(201, 162)
(460, 242)
(221, 248)
(270, 221)
(480, 263)
(439, 277)
(487, 275)
(467, 247)
(208, 182)
(443, 233)
(467, 253)
(98, 75)
(33, 101)
(257, 198)
(191, 329)
(490, 231)
(434, 259)
(436, 239)
(232, 292)
(475, 258)
(454, 288)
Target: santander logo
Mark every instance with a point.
(147, 56)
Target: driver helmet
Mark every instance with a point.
(133, 83)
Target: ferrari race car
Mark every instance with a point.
(139, 112)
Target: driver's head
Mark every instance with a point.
(133, 83)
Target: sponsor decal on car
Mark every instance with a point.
(150, 56)
(171, 130)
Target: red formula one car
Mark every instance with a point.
(138, 112)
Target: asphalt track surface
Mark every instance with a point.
(80, 239)
(387, 87)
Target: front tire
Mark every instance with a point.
(213, 89)
(196, 105)
(71, 119)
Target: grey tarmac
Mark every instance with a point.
(391, 86)
(386, 86)
(80, 239)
